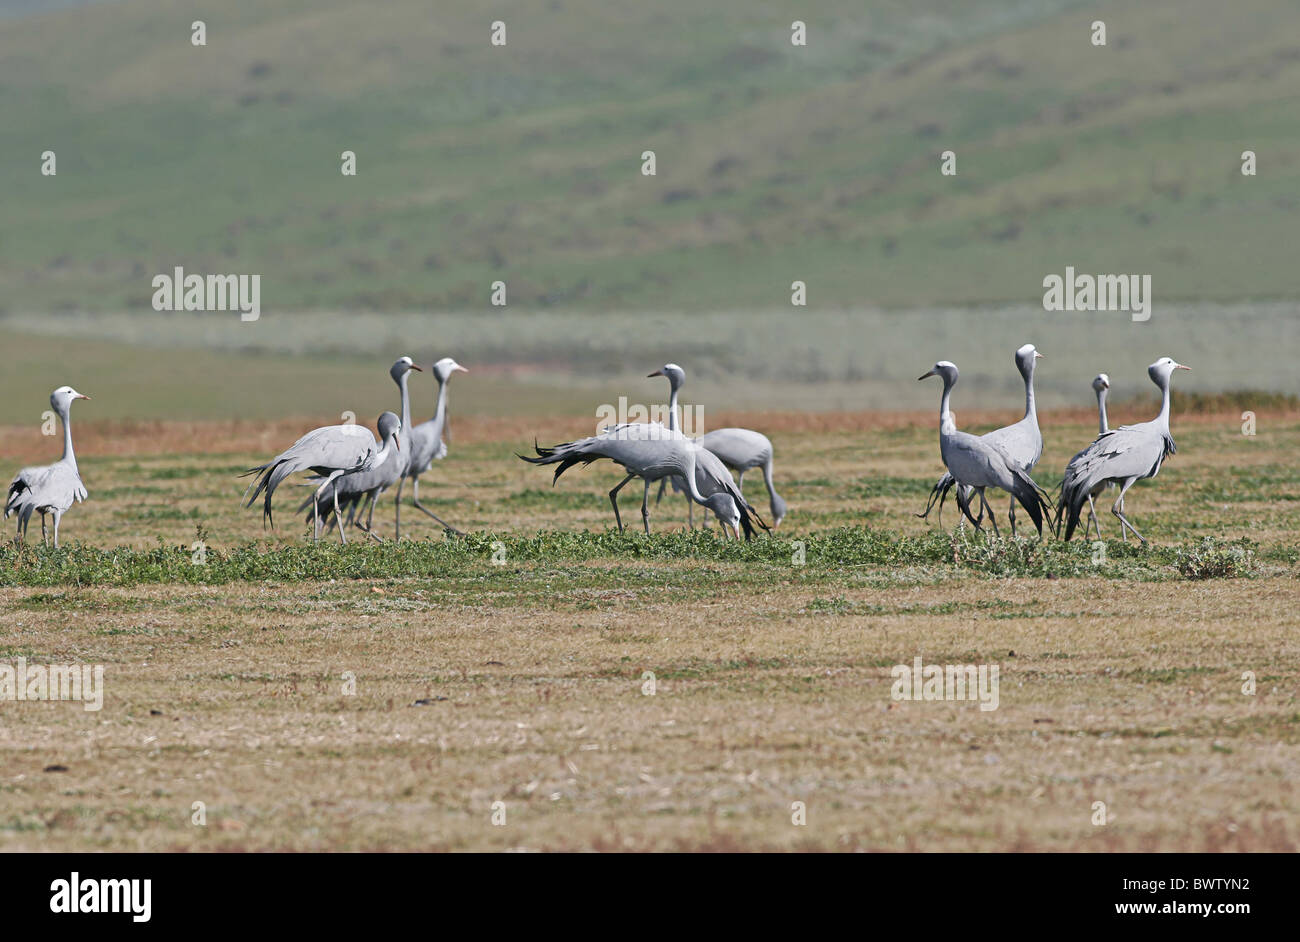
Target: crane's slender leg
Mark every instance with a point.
(645, 507)
(1118, 510)
(985, 505)
(374, 496)
(663, 484)
(1092, 519)
(613, 499)
(58, 513)
(963, 503)
(45, 540)
(447, 526)
(397, 511)
(740, 482)
(315, 509)
(338, 518)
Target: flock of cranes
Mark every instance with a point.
(351, 468)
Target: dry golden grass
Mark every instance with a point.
(773, 685)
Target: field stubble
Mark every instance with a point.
(523, 683)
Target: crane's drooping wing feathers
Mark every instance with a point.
(1021, 443)
(44, 488)
(352, 486)
(647, 449)
(1130, 451)
(323, 450)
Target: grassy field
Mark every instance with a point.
(522, 163)
(1121, 682)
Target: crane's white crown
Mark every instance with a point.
(1102, 381)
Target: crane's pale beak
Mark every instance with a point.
(459, 369)
(926, 376)
(1037, 355)
(418, 369)
(397, 443)
(655, 373)
(1179, 366)
(80, 396)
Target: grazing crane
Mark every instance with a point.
(329, 452)
(400, 372)
(351, 490)
(1100, 384)
(652, 452)
(52, 488)
(977, 464)
(429, 439)
(741, 449)
(1021, 442)
(1121, 456)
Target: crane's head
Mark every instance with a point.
(1025, 358)
(676, 375)
(945, 368)
(725, 509)
(1162, 369)
(389, 425)
(62, 397)
(1100, 381)
(443, 369)
(403, 366)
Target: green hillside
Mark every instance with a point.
(522, 163)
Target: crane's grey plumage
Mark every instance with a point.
(676, 377)
(1100, 385)
(429, 439)
(400, 372)
(741, 449)
(977, 463)
(1021, 442)
(1122, 456)
(350, 490)
(329, 452)
(52, 488)
(652, 452)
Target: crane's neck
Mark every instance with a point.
(406, 403)
(672, 409)
(1102, 425)
(1030, 409)
(945, 415)
(1163, 417)
(381, 456)
(440, 410)
(68, 455)
(691, 486)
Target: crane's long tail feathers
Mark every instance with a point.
(1069, 506)
(15, 496)
(938, 494)
(1032, 498)
(748, 515)
(558, 454)
(272, 474)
